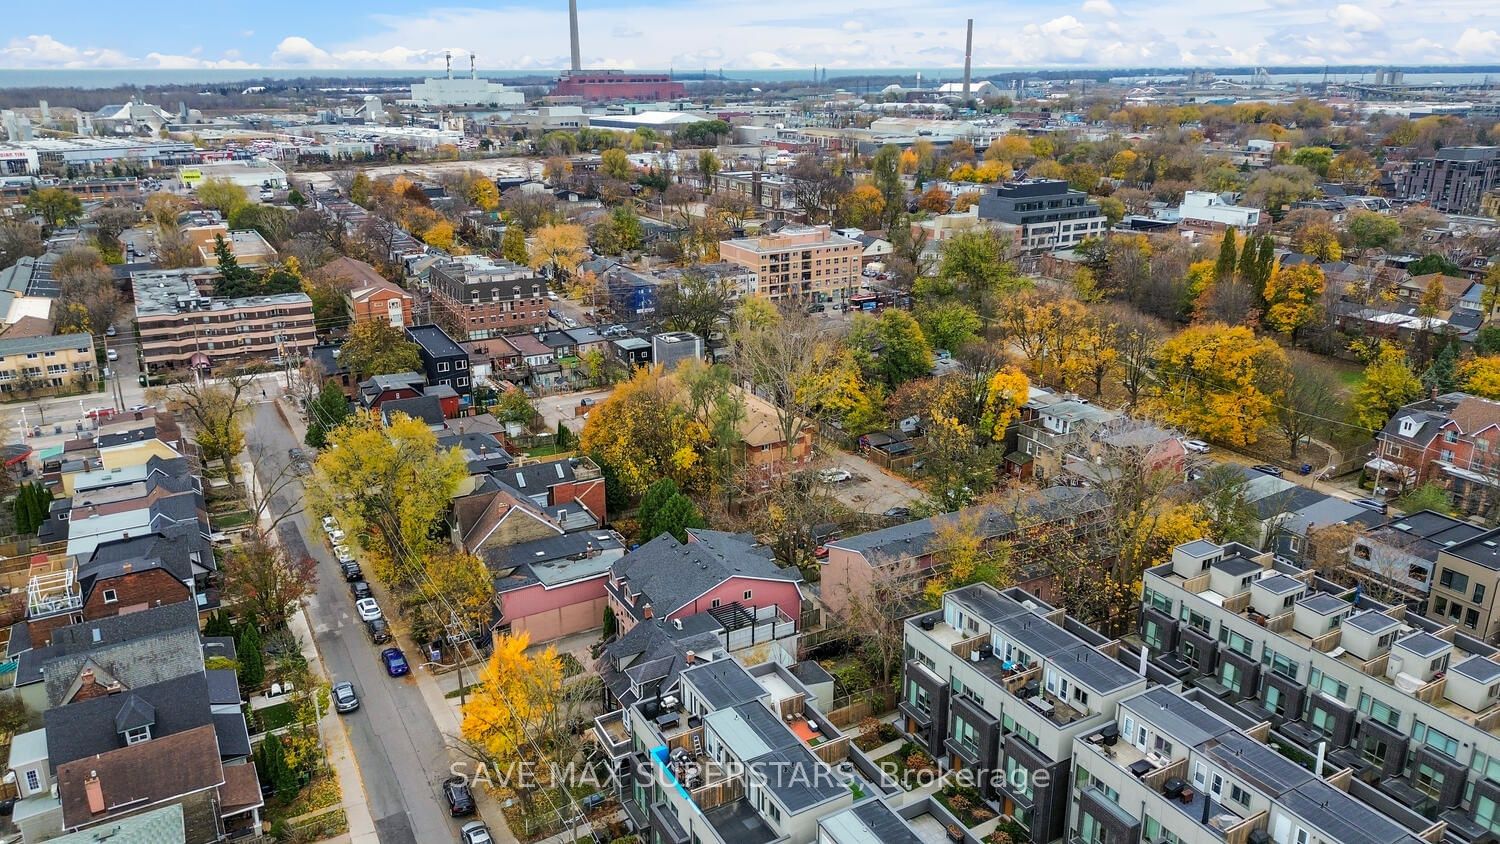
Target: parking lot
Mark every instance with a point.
(559, 408)
(871, 489)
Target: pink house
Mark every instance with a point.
(553, 587)
(727, 576)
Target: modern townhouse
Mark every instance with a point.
(1410, 705)
(1184, 767)
(734, 756)
(1000, 684)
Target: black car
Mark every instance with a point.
(460, 799)
(379, 630)
(1268, 469)
(352, 571)
(360, 589)
(898, 513)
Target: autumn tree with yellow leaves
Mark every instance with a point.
(962, 556)
(1217, 381)
(1294, 298)
(560, 248)
(644, 432)
(1480, 376)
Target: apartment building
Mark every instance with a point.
(1452, 440)
(179, 326)
(1000, 683)
(1051, 215)
(733, 756)
(46, 365)
(444, 362)
(1462, 591)
(479, 298)
(1408, 705)
(805, 263)
(1183, 767)
(1454, 180)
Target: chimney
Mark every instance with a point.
(968, 59)
(690, 657)
(126, 567)
(95, 793)
(577, 64)
(87, 677)
(448, 63)
(646, 610)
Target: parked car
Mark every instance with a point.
(344, 698)
(295, 454)
(343, 554)
(109, 331)
(1372, 504)
(360, 590)
(330, 524)
(368, 609)
(379, 630)
(475, 832)
(1268, 469)
(111, 355)
(395, 662)
(460, 799)
(336, 537)
(1196, 446)
(352, 571)
(834, 476)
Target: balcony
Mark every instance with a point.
(612, 735)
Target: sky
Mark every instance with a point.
(694, 34)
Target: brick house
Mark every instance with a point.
(1452, 440)
(368, 295)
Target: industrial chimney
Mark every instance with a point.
(968, 59)
(473, 68)
(573, 32)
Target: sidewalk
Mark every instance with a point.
(336, 741)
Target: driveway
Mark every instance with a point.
(560, 407)
(873, 489)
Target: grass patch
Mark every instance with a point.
(965, 804)
(273, 717)
(321, 793)
(326, 825)
(233, 519)
(460, 692)
(549, 450)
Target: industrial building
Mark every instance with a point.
(473, 92)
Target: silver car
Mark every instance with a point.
(344, 698)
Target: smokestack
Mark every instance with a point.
(968, 58)
(448, 63)
(473, 68)
(573, 32)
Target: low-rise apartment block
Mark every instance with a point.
(1051, 215)
(46, 365)
(804, 263)
(480, 297)
(180, 327)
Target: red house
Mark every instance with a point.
(727, 576)
(1452, 440)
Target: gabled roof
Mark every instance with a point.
(134, 663)
(669, 574)
(89, 727)
(426, 408)
(140, 776)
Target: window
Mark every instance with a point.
(1450, 436)
(917, 697)
(1379, 711)
(111, 596)
(1279, 664)
(1331, 686)
(1157, 601)
(1323, 722)
(1151, 632)
(442, 366)
(33, 781)
(1435, 739)
(1275, 699)
(1484, 812)
(1197, 620)
(1479, 593)
(1456, 581)
(1231, 676)
(715, 603)
(1239, 795)
(1374, 750)
(136, 735)
(1237, 643)
(1428, 780)
(747, 594)
(1471, 618)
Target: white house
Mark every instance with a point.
(1208, 209)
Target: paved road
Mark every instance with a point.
(401, 753)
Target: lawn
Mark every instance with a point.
(544, 822)
(547, 451)
(321, 793)
(274, 717)
(233, 519)
(909, 765)
(965, 804)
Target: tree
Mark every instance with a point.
(1316, 159)
(1428, 496)
(1433, 263)
(216, 410)
(15, 715)
(515, 407)
(1136, 343)
(677, 516)
(652, 500)
(620, 232)
(1309, 399)
(885, 173)
(520, 714)
(325, 412)
(560, 248)
(375, 347)
(513, 246)
(708, 165)
(1294, 297)
(1432, 298)
(864, 206)
(390, 481)
(615, 163)
(1480, 375)
(164, 208)
(949, 325)
(1228, 262)
(222, 195)
(1231, 514)
(360, 189)
(645, 433)
(530, 209)
(906, 354)
(961, 557)
(234, 280)
(268, 583)
(439, 235)
(1318, 240)
(1217, 381)
(1373, 231)
(733, 208)
(1389, 383)
(1442, 374)
(31, 507)
(56, 207)
(19, 239)
(248, 646)
(274, 224)
(483, 193)
(935, 200)
(696, 302)
(975, 267)
(274, 770)
(466, 587)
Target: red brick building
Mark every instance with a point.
(618, 85)
(1452, 440)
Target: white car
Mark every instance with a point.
(111, 355)
(341, 552)
(368, 610)
(834, 476)
(330, 524)
(1195, 446)
(337, 537)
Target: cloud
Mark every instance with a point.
(1099, 7)
(1477, 44)
(44, 51)
(1351, 17)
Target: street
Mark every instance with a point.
(402, 756)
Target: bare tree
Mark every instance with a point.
(1309, 399)
(875, 616)
(779, 360)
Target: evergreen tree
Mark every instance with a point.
(1228, 257)
(1442, 373)
(1248, 265)
(31, 506)
(274, 769)
(611, 624)
(326, 411)
(219, 624)
(653, 500)
(564, 438)
(252, 661)
(677, 515)
(234, 280)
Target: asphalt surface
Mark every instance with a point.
(401, 754)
